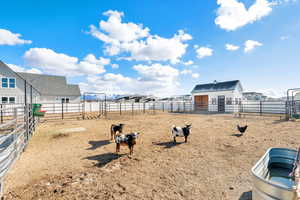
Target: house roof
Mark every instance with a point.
(217, 86)
(51, 85)
(3, 65)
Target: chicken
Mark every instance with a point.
(242, 129)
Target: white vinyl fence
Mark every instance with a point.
(101, 108)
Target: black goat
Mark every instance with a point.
(114, 129)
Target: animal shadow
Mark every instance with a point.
(104, 159)
(167, 145)
(97, 144)
(236, 135)
(246, 196)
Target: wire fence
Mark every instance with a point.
(101, 109)
(15, 132)
(109, 109)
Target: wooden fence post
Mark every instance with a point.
(163, 106)
(171, 106)
(144, 107)
(184, 107)
(120, 108)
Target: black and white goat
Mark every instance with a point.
(126, 140)
(114, 129)
(178, 131)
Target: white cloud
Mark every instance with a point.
(190, 72)
(157, 72)
(250, 45)
(136, 42)
(58, 63)
(284, 37)
(17, 68)
(114, 66)
(231, 47)
(233, 14)
(9, 38)
(124, 32)
(157, 79)
(286, 1)
(186, 71)
(190, 62)
(204, 52)
(195, 75)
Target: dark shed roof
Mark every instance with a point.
(218, 86)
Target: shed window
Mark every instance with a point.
(12, 83)
(4, 82)
(237, 101)
(229, 101)
(214, 101)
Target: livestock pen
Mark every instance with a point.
(213, 164)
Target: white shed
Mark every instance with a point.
(218, 96)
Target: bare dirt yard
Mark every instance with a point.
(214, 164)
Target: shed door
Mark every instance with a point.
(221, 103)
(201, 103)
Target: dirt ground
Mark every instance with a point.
(214, 164)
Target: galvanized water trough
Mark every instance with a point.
(273, 175)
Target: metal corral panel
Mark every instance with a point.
(268, 186)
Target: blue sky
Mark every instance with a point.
(155, 47)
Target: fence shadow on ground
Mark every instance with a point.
(167, 145)
(246, 196)
(279, 121)
(97, 144)
(104, 159)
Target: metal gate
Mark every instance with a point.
(296, 107)
(101, 109)
(221, 103)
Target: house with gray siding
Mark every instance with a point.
(44, 88)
